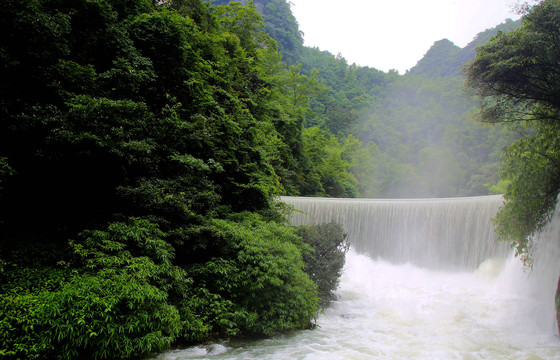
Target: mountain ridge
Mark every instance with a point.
(445, 58)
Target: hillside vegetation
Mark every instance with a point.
(400, 136)
(143, 148)
(417, 129)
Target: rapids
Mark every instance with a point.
(400, 304)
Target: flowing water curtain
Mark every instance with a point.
(545, 272)
(451, 233)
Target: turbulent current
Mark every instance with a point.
(424, 279)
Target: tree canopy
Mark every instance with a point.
(516, 74)
(142, 147)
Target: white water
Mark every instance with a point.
(398, 310)
(447, 233)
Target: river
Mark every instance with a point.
(395, 308)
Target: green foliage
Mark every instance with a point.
(517, 70)
(364, 165)
(532, 166)
(427, 144)
(325, 262)
(322, 91)
(23, 332)
(413, 129)
(116, 306)
(245, 22)
(259, 277)
(328, 171)
(516, 76)
(279, 23)
(112, 315)
(147, 124)
(163, 130)
(446, 59)
(22, 335)
(350, 90)
(435, 62)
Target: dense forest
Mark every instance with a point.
(142, 148)
(144, 145)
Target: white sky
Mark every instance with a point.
(394, 34)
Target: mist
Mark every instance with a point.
(430, 144)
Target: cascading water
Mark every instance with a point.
(424, 279)
(435, 233)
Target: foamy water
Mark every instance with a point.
(387, 311)
(463, 299)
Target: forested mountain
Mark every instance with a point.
(428, 142)
(280, 24)
(423, 125)
(417, 128)
(447, 59)
(412, 134)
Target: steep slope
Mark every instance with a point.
(280, 24)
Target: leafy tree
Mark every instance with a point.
(279, 23)
(532, 166)
(322, 90)
(328, 172)
(515, 73)
(517, 76)
(363, 163)
(261, 275)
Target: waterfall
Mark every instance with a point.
(398, 300)
(542, 281)
(451, 233)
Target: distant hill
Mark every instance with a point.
(417, 134)
(445, 58)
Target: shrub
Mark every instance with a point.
(325, 262)
(261, 285)
(117, 307)
(21, 334)
(111, 316)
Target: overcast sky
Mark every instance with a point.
(394, 34)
